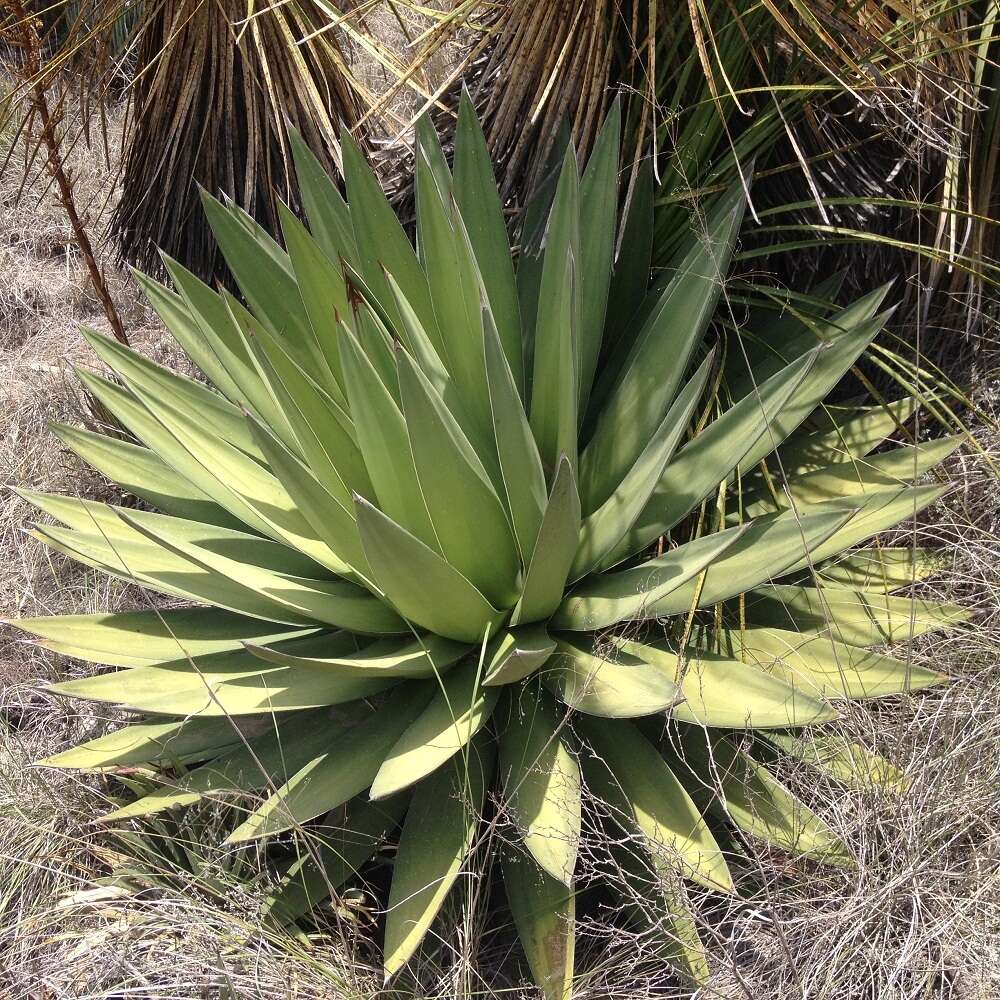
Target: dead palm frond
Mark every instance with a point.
(873, 125)
(213, 85)
(213, 95)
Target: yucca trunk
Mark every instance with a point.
(213, 97)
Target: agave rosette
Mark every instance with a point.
(446, 530)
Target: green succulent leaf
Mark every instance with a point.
(542, 782)
(554, 550)
(750, 796)
(457, 711)
(342, 768)
(608, 682)
(544, 912)
(437, 836)
(334, 852)
(632, 777)
(417, 475)
(517, 653)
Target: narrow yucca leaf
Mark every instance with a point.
(542, 782)
(629, 773)
(339, 771)
(609, 683)
(437, 836)
(457, 711)
(335, 851)
(544, 912)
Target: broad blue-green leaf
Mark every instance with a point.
(607, 682)
(598, 212)
(825, 667)
(762, 551)
(544, 913)
(467, 516)
(326, 211)
(289, 742)
(385, 444)
(747, 794)
(856, 617)
(554, 550)
(146, 742)
(334, 853)
(459, 709)
(517, 653)
(629, 773)
(141, 472)
(410, 659)
(603, 600)
(382, 244)
(420, 584)
(141, 638)
(479, 204)
(541, 782)
(883, 568)
(722, 691)
(705, 461)
(841, 759)
(437, 836)
(611, 520)
(657, 360)
(342, 767)
(237, 682)
(520, 464)
(555, 380)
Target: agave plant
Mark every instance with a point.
(454, 536)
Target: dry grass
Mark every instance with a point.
(919, 919)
